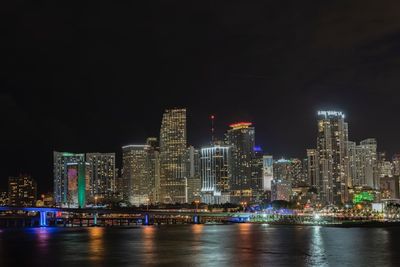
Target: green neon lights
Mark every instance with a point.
(363, 197)
(82, 185)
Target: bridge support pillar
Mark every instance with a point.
(95, 219)
(43, 219)
(196, 219)
(146, 220)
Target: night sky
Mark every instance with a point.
(97, 75)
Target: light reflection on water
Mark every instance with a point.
(149, 244)
(317, 250)
(200, 245)
(96, 243)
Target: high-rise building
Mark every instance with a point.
(281, 190)
(3, 198)
(153, 165)
(362, 164)
(396, 164)
(389, 187)
(193, 174)
(173, 147)
(22, 191)
(60, 171)
(268, 172)
(120, 185)
(352, 165)
(139, 165)
(283, 170)
(298, 174)
(367, 153)
(385, 169)
(215, 174)
(78, 182)
(101, 170)
(331, 148)
(241, 138)
(257, 175)
(312, 168)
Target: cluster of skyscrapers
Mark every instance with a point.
(338, 168)
(227, 170)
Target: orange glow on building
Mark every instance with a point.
(240, 125)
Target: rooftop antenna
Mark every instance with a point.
(212, 118)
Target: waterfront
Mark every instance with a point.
(200, 245)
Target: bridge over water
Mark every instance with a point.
(146, 216)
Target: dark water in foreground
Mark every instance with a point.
(201, 245)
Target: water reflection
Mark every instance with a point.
(149, 244)
(96, 243)
(244, 244)
(43, 235)
(317, 250)
(200, 245)
(197, 230)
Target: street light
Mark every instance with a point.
(147, 201)
(95, 201)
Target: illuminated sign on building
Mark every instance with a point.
(328, 113)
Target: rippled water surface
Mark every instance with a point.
(201, 245)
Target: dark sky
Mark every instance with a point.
(97, 75)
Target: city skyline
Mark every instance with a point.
(200, 133)
(218, 134)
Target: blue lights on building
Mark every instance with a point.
(257, 149)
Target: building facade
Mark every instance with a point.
(193, 174)
(22, 191)
(102, 176)
(268, 172)
(139, 174)
(331, 148)
(312, 168)
(61, 160)
(173, 145)
(241, 138)
(215, 174)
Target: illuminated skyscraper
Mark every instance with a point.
(362, 164)
(298, 176)
(139, 164)
(396, 164)
(153, 165)
(215, 174)
(367, 153)
(331, 148)
(281, 190)
(193, 174)
(101, 172)
(60, 171)
(173, 147)
(22, 191)
(78, 182)
(241, 138)
(312, 168)
(352, 163)
(283, 170)
(268, 172)
(257, 175)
